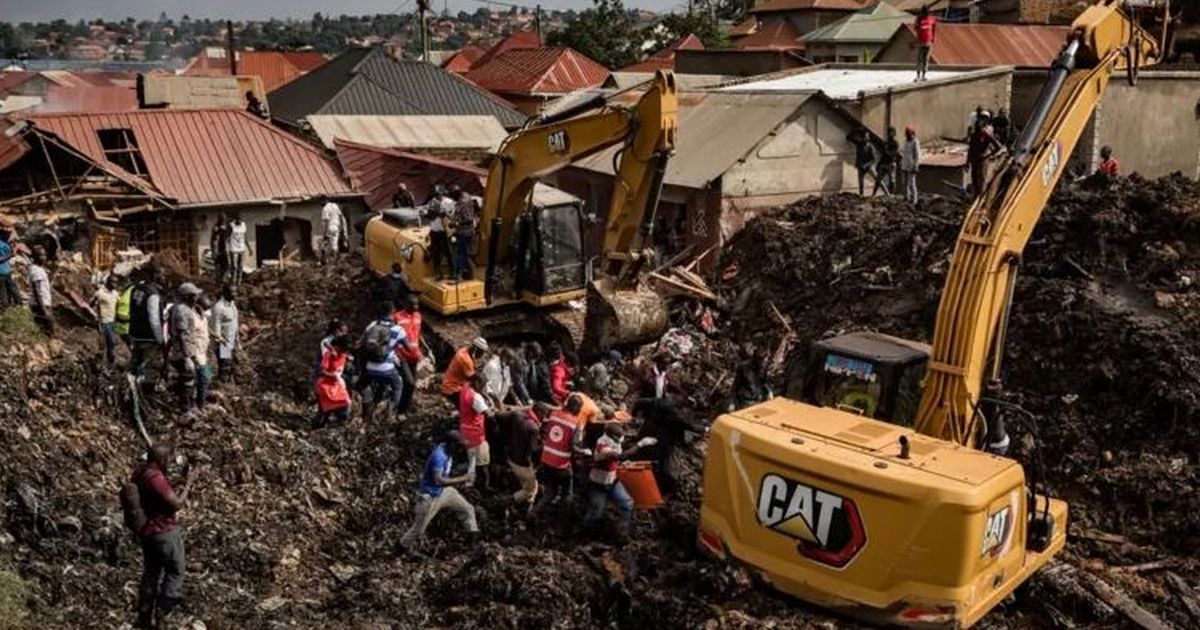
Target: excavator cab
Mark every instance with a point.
(866, 373)
(550, 256)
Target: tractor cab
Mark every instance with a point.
(867, 373)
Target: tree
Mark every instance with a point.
(604, 33)
(698, 23)
(12, 42)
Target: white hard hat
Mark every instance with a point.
(480, 343)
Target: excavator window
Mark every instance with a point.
(849, 384)
(557, 251)
(908, 394)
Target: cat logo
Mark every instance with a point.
(558, 142)
(996, 531)
(828, 526)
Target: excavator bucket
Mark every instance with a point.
(621, 316)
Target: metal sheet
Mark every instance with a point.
(537, 71)
(1020, 45)
(411, 132)
(841, 83)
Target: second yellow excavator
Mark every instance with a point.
(532, 257)
(906, 521)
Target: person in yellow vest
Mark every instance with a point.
(122, 320)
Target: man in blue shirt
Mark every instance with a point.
(380, 342)
(437, 491)
(8, 289)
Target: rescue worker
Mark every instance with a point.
(560, 370)
(558, 447)
(1108, 164)
(437, 214)
(380, 344)
(183, 325)
(538, 375)
(926, 25)
(122, 319)
(146, 329)
(981, 147)
(438, 490)
(403, 197)
(473, 412)
(333, 397)
(462, 369)
(602, 478)
(409, 318)
(524, 440)
(395, 286)
(663, 421)
(464, 234)
(161, 587)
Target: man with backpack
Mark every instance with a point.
(380, 342)
(151, 507)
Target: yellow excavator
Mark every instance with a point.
(532, 258)
(886, 502)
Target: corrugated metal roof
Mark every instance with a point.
(768, 6)
(463, 60)
(275, 68)
(60, 99)
(207, 156)
(538, 71)
(411, 132)
(874, 24)
(772, 34)
(715, 130)
(367, 81)
(305, 60)
(623, 80)
(514, 41)
(665, 58)
(13, 78)
(840, 83)
(12, 143)
(1019, 45)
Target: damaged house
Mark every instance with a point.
(158, 179)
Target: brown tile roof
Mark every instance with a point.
(1020, 45)
(528, 71)
(207, 156)
(665, 58)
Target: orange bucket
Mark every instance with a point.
(638, 479)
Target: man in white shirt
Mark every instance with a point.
(237, 248)
(333, 223)
(39, 285)
(105, 301)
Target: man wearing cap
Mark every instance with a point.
(462, 369)
(183, 342)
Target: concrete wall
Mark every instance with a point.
(938, 108)
(734, 62)
(1154, 127)
(299, 225)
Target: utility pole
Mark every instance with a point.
(423, 5)
(537, 22)
(230, 49)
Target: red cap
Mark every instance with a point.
(910, 129)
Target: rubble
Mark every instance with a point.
(294, 527)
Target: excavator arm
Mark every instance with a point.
(973, 313)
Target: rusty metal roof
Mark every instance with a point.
(378, 172)
(536, 71)
(665, 58)
(1018, 45)
(767, 6)
(273, 67)
(60, 99)
(199, 157)
(716, 129)
(411, 132)
(463, 60)
(514, 41)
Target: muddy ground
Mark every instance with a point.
(291, 527)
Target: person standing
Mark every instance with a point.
(41, 296)
(664, 422)
(885, 169)
(473, 412)
(224, 330)
(380, 342)
(864, 155)
(437, 213)
(981, 147)
(183, 326)
(558, 448)
(403, 197)
(560, 373)
(602, 478)
(333, 397)
(146, 329)
(218, 246)
(105, 301)
(538, 380)
(409, 318)
(237, 248)
(161, 587)
(199, 351)
(395, 286)
(910, 162)
(524, 429)
(518, 369)
(462, 369)
(1002, 127)
(497, 376)
(9, 296)
(333, 223)
(926, 25)
(1108, 164)
(464, 234)
(438, 490)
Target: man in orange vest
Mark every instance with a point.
(462, 369)
(409, 318)
(558, 447)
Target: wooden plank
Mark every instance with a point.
(1124, 603)
(681, 287)
(1186, 593)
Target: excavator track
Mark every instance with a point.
(443, 334)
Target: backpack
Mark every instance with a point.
(130, 496)
(375, 345)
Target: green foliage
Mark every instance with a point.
(12, 41)
(17, 323)
(700, 23)
(605, 33)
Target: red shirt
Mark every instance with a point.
(411, 323)
(154, 489)
(560, 373)
(470, 421)
(1110, 166)
(925, 28)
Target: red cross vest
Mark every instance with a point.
(558, 433)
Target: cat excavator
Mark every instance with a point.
(888, 499)
(531, 260)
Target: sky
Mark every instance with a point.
(72, 10)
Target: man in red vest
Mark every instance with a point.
(473, 410)
(559, 433)
(409, 318)
(925, 26)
